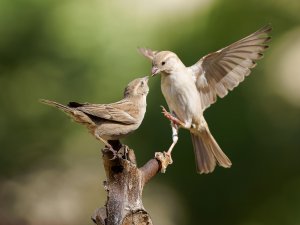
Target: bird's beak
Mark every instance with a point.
(154, 71)
(146, 78)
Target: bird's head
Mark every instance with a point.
(165, 62)
(137, 87)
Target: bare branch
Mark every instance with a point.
(124, 186)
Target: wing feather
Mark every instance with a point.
(120, 112)
(148, 53)
(218, 72)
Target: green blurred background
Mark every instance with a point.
(77, 50)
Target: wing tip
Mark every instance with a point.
(147, 52)
(41, 100)
(141, 49)
(266, 29)
(46, 102)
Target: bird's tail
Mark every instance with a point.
(75, 114)
(207, 152)
(62, 107)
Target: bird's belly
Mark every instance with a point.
(182, 98)
(115, 131)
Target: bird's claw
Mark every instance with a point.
(124, 152)
(165, 160)
(121, 153)
(170, 117)
(114, 152)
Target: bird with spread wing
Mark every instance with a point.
(190, 90)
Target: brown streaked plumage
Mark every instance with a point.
(190, 90)
(111, 121)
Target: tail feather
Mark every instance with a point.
(208, 153)
(75, 114)
(62, 107)
(205, 160)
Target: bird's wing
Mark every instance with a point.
(120, 112)
(220, 71)
(148, 53)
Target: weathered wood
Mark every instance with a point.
(124, 186)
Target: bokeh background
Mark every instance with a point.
(78, 50)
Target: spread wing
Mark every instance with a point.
(148, 53)
(220, 71)
(120, 112)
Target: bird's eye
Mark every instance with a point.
(163, 63)
(142, 83)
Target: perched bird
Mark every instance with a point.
(190, 90)
(111, 121)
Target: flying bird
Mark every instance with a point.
(190, 90)
(110, 121)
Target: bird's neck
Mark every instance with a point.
(140, 100)
(178, 67)
(175, 71)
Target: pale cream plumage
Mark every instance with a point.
(190, 90)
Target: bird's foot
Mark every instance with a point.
(108, 149)
(121, 153)
(165, 160)
(172, 118)
(114, 152)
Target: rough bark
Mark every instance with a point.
(124, 185)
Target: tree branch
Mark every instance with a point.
(124, 185)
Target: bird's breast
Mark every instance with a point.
(181, 95)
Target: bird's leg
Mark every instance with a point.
(165, 158)
(105, 143)
(174, 139)
(114, 152)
